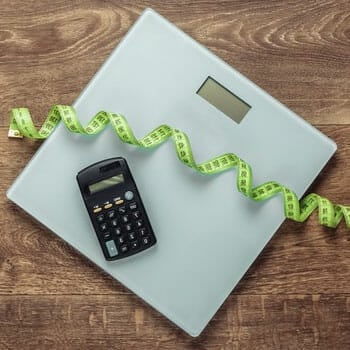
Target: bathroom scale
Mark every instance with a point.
(208, 234)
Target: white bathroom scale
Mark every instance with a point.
(208, 234)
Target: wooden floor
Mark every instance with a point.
(296, 295)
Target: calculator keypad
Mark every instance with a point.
(123, 228)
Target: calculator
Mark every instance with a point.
(115, 208)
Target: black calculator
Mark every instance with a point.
(115, 208)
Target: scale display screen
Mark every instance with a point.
(223, 99)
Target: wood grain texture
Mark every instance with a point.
(96, 322)
(295, 296)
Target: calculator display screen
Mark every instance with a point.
(106, 183)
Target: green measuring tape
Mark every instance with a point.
(329, 214)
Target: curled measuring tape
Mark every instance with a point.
(329, 214)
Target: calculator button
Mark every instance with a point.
(111, 214)
(114, 223)
(122, 210)
(146, 240)
(121, 240)
(118, 231)
(97, 210)
(136, 214)
(103, 227)
(129, 195)
(107, 235)
(134, 244)
(124, 248)
(143, 232)
(132, 236)
(100, 218)
(118, 202)
(128, 227)
(125, 218)
(111, 247)
(107, 206)
(139, 223)
(133, 206)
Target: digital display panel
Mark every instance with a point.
(106, 183)
(223, 99)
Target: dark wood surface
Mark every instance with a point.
(297, 293)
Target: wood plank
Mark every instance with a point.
(299, 55)
(123, 322)
(302, 258)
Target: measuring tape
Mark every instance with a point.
(329, 214)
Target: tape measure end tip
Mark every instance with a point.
(14, 134)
